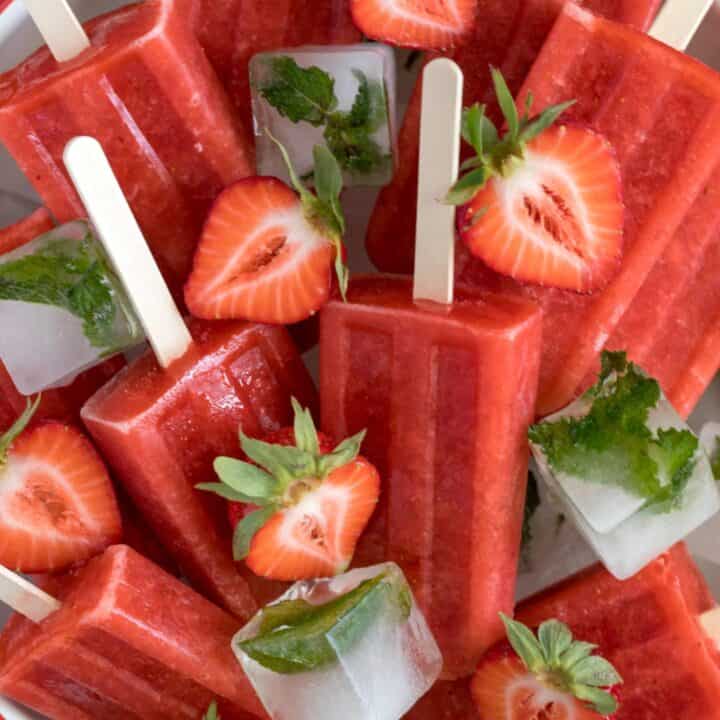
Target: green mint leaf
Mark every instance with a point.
(612, 362)
(247, 528)
(596, 672)
(343, 454)
(369, 109)
(602, 702)
(10, 435)
(675, 453)
(309, 641)
(354, 147)
(306, 437)
(468, 186)
(525, 644)
(212, 712)
(506, 102)
(227, 493)
(287, 613)
(715, 459)
(555, 638)
(300, 94)
(547, 118)
(532, 503)
(71, 275)
(305, 195)
(245, 478)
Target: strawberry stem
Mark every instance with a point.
(17, 428)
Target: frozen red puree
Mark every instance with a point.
(161, 430)
(146, 91)
(648, 628)
(661, 111)
(447, 700)
(60, 403)
(509, 35)
(446, 394)
(129, 642)
(232, 31)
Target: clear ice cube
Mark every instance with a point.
(45, 345)
(624, 531)
(379, 676)
(375, 61)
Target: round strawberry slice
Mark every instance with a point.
(300, 504)
(267, 251)
(422, 24)
(542, 204)
(548, 677)
(57, 504)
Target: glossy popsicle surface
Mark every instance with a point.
(648, 628)
(129, 642)
(161, 430)
(146, 91)
(446, 394)
(508, 35)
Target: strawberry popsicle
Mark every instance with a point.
(58, 403)
(162, 421)
(145, 89)
(648, 627)
(508, 35)
(129, 641)
(232, 31)
(661, 112)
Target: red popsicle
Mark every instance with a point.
(232, 31)
(648, 628)
(509, 35)
(128, 642)
(146, 90)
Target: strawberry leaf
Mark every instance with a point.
(343, 454)
(468, 186)
(227, 493)
(246, 478)
(247, 528)
(596, 672)
(555, 639)
(525, 644)
(603, 702)
(576, 652)
(541, 123)
(506, 102)
(9, 437)
(472, 126)
(283, 462)
(212, 712)
(306, 438)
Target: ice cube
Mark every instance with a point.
(343, 63)
(43, 343)
(627, 530)
(383, 657)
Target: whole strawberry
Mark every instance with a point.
(300, 505)
(548, 677)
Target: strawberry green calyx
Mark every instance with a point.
(9, 437)
(322, 208)
(279, 476)
(565, 664)
(496, 155)
(212, 712)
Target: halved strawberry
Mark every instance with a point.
(424, 24)
(266, 251)
(541, 204)
(312, 502)
(551, 677)
(57, 504)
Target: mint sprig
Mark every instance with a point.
(278, 476)
(715, 459)
(532, 503)
(296, 637)
(308, 95)
(74, 276)
(323, 208)
(565, 664)
(612, 442)
(496, 155)
(212, 712)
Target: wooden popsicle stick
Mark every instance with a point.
(125, 244)
(23, 597)
(59, 26)
(441, 116)
(678, 21)
(710, 623)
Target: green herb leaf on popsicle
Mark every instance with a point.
(308, 95)
(295, 636)
(73, 276)
(612, 442)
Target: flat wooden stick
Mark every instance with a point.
(125, 244)
(441, 116)
(710, 622)
(23, 597)
(59, 26)
(678, 21)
